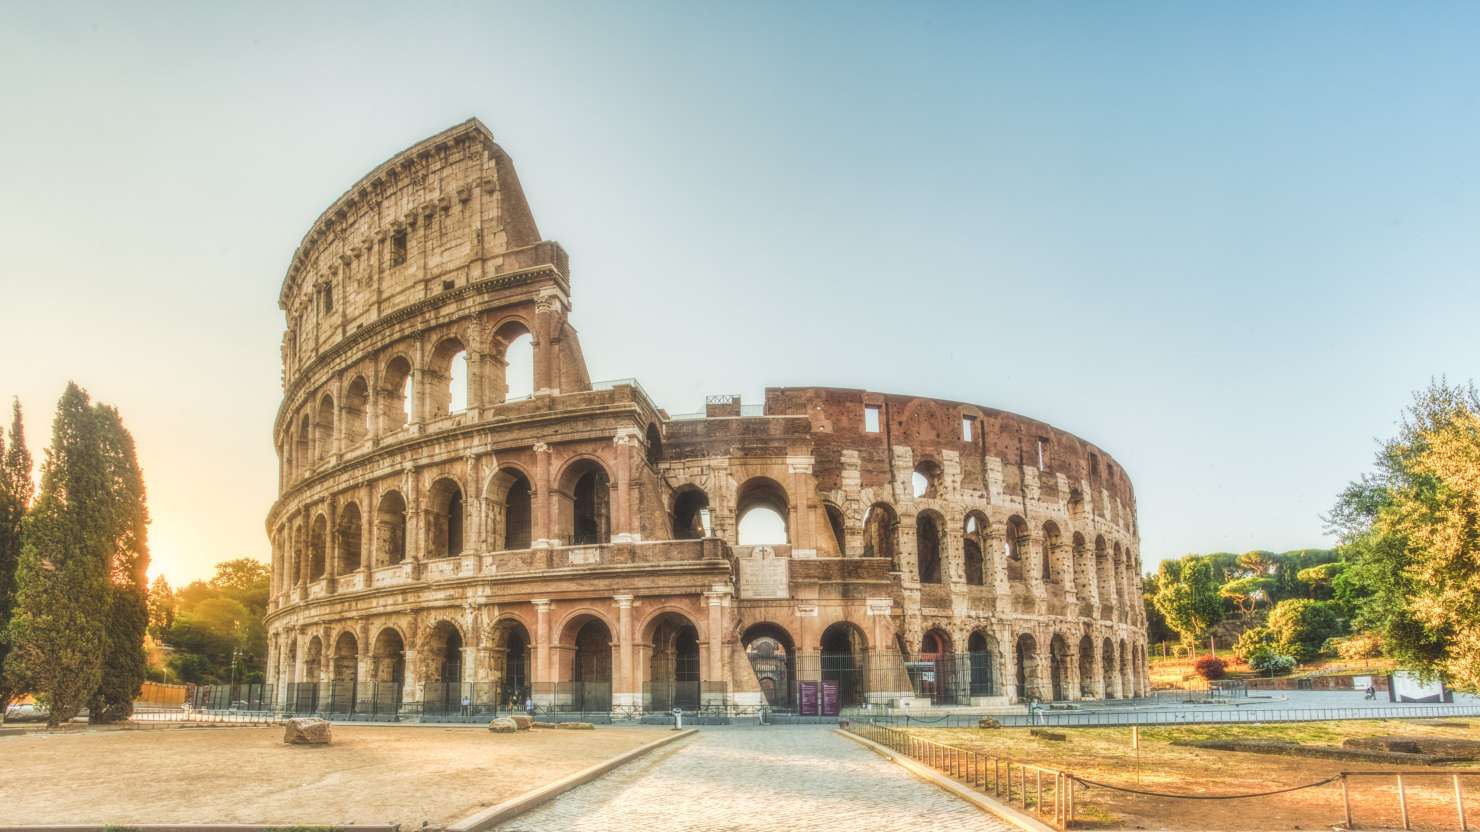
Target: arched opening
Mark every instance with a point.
(690, 510)
(356, 411)
(444, 519)
(396, 395)
(515, 508)
(927, 547)
(1015, 545)
(591, 668)
(442, 669)
(1027, 668)
(1127, 672)
(390, 529)
(974, 545)
(925, 481)
(324, 428)
(673, 668)
(934, 673)
(344, 673)
(349, 531)
(585, 504)
(296, 557)
(773, 658)
(1108, 668)
(387, 672)
(982, 650)
(447, 378)
(302, 454)
(654, 450)
(762, 512)
(317, 548)
(845, 662)
(511, 657)
(832, 544)
(1083, 574)
(306, 699)
(1086, 668)
(881, 534)
(513, 355)
(1105, 577)
(1050, 550)
(1058, 668)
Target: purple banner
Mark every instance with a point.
(830, 699)
(807, 704)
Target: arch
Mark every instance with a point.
(447, 378)
(1051, 542)
(1014, 546)
(673, 665)
(935, 669)
(772, 654)
(513, 507)
(324, 428)
(584, 499)
(318, 538)
(762, 513)
(928, 546)
(1027, 668)
(356, 411)
(441, 656)
(302, 456)
(444, 518)
(1127, 671)
(590, 673)
(1105, 578)
(974, 548)
(881, 534)
(313, 660)
(1108, 667)
(1086, 667)
(344, 673)
(690, 510)
(390, 529)
(925, 481)
(1083, 574)
(295, 556)
(513, 355)
(654, 450)
(982, 654)
(844, 659)
(348, 532)
(1058, 668)
(512, 651)
(397, 394)
(387, 672)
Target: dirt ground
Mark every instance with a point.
(404, 774)
(1105, 755)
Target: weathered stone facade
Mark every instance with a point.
(582, 547)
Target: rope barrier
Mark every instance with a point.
(1333, 778)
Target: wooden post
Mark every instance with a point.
(1038, 803)
(1403, 802)
(1069, 818)
(1346, 802)
(1459, 804)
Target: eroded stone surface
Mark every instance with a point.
(307, 731)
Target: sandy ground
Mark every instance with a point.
(404, 775)
(1106, 755)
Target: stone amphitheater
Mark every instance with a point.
(467, 521)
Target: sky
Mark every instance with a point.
(1225, 242)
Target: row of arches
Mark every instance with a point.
(386, 401)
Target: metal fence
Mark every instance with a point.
(1043, 717)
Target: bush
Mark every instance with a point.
(1210, 667)
(1266, 660)
(1253, 640)
(1301, 627)
(1356, 647)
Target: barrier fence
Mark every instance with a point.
(1047, 717)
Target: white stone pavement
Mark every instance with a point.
(738, 779)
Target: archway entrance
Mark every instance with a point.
(982, 650)
(845, 661)
(1027, 668)
(773, 658)
(1107, 667)
(1086, 668)
(591, 669)
(306, 692)
(342, 681)
(387, 673)
(935, 673)
(511, 655)
(442, 671)
(1058, 668)
(673, 670)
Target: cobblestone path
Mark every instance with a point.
(737, 779)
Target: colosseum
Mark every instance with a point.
(467, 522)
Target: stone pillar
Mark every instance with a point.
(541, 671)
(543, 533)
(802, 501)
(415, 542)
(1097, 667)
(1045, 667)
(367, 534)
(716, 669)
(548, 311)
(331, 544)
(996, 543)
(622, 525)
(1071, 676)
(626, 692)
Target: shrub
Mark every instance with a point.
(1266, 660)
(1357, 646)
(1301, 626)
(1209, 667)
(1251, 641)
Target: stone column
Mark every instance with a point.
(716, 670)
(331, 545)
(996, 543)
(367, 534)
(622, 525)
(626, 692)
(541, 671)
(802, 537)
(1071, 677)
(543, 498)
(1097, 667)
(1045, 667)
(548, 307)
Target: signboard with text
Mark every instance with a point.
(807, 698)
(830, 704)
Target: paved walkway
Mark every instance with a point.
(738, 779)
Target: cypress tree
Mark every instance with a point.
(57, 628)
(125, 662)
(16, 490)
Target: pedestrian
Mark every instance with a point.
(1371, 692)
(529, 706)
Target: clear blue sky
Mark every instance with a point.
(1224, 243)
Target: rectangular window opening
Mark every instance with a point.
(398, 248)
(968, 428)
(1042, 454)
(871, 418)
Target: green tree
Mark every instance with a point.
(125, 663)
(1187, 596)
(1408, 533)
(218, 632)
(57, 629)
(161, 607)
(1246, 593)
(1300, 626)
(16, 490)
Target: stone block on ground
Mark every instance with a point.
(1043, 734)
(544, 725)
(988, 722)
(522, 721)
(503, 725)
(309, 730)
(577, 726)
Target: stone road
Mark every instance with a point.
(739, 779)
